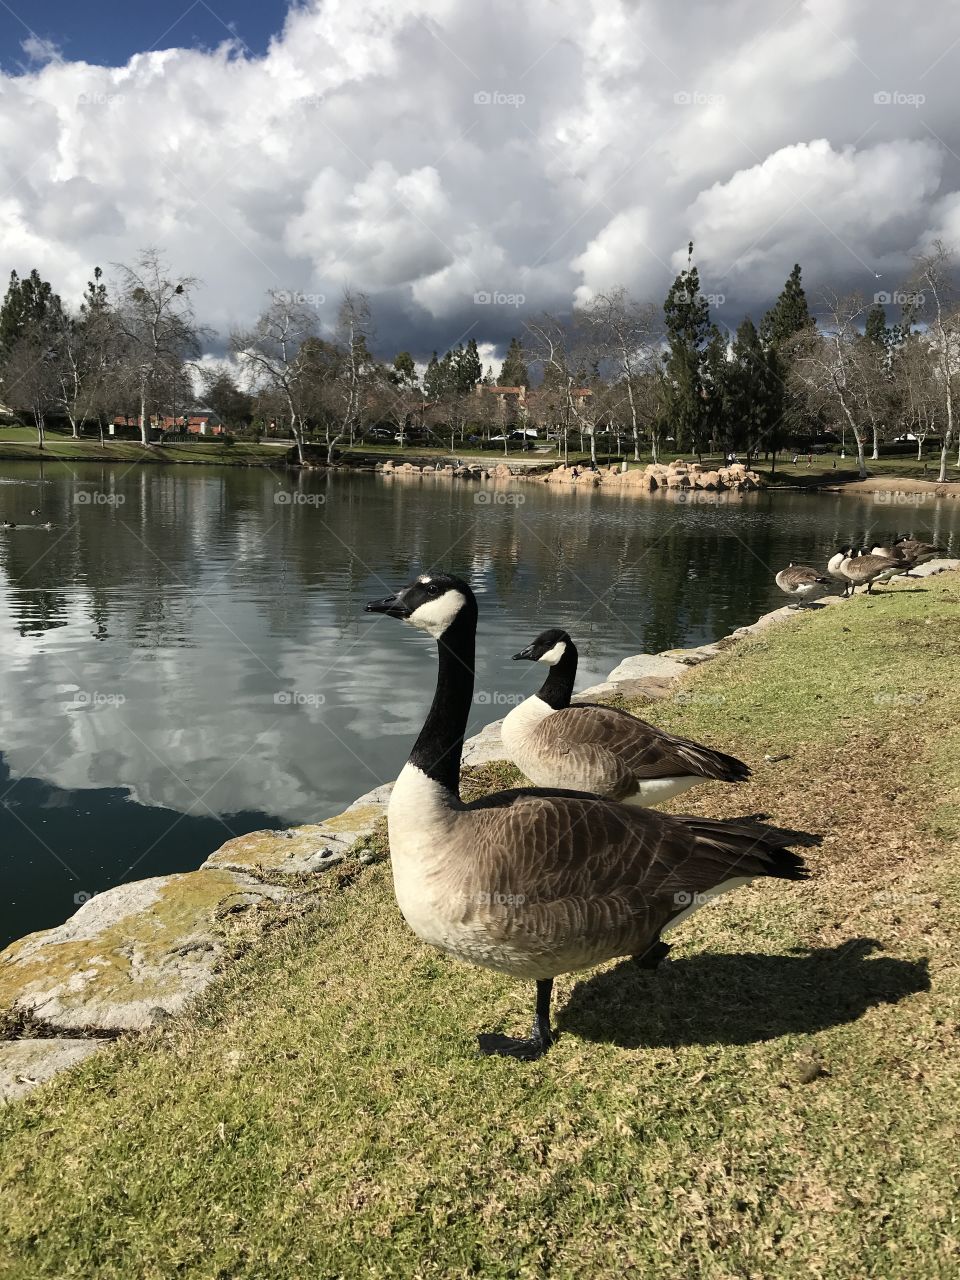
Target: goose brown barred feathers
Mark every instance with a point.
(597, 749)
(538, 882)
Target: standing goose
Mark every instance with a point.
(836, 560)
(599, 749)
(533, 883)
(803, 583)
(860, 570)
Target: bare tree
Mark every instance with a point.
(626, 333)
(157, 321)
(827, 371)
(935, 289)
(274, 355)
(355, 333)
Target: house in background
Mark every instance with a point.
(199, 422)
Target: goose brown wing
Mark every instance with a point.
(626, 749)
(548, 845)
(575, 867)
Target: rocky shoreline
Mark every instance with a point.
(677, 476)
(133, 957)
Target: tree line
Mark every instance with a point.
(619, 372)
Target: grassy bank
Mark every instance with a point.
(781, 1097)
(19, 444)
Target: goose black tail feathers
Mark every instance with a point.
(752, 847)
(714, 764)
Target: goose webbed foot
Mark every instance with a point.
(492, 1043)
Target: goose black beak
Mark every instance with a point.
(525, 653)
(392, 606)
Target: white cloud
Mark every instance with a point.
(426, 150)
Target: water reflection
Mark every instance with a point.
(189, 641)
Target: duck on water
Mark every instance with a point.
(538, 882)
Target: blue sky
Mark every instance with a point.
(92, 31)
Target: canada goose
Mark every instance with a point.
(599, 749)
(7, 524)
(860, 569)
(803, 583)
(836, 560)
(537, 882)
(910, 549)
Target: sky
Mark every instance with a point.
(468, 165)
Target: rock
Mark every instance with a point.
(485, 746)
(388, 465)
(933, 567)
(691, 657)
(150, 944)
(26, 1063)
(304, 850)
(643, 665)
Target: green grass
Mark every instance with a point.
(20, 444)
(780, 1098)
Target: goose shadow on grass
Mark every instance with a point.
(714, 998)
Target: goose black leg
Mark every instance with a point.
(541, 1038)
(651, 958)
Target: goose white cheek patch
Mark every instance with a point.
(553, 656)
(434, 616)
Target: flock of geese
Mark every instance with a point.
(579, 869)
(855, 567)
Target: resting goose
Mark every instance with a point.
(533, 883)
(803, 583)
(910, 550)
(860, 570)
(599, 749)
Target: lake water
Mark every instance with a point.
(184, 657)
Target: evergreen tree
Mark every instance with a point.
(514, 372)
(787, 318)
(789, 315)
(29, 305)
(687, 319)
(433, 379)
(403, 372)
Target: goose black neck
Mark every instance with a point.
(439, 747)
(557, 689)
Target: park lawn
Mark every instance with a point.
(20, 444)
(782, 1097)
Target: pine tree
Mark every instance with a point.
(433, 379)
(687, 318)
(788, 315)
(514, 372)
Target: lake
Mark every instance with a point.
(185, 655)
